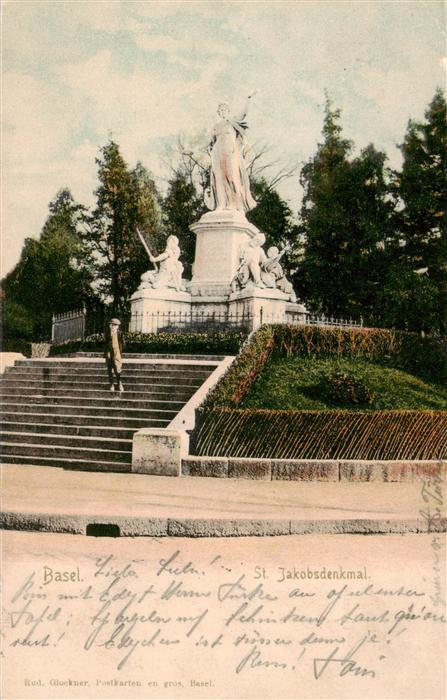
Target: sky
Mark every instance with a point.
(76, 73)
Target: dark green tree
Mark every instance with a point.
(48, 278)
(422, 189)
(324, 217)
(370, 235)
(345, 217)
(272, 215)
(148, 218)
(112, 250)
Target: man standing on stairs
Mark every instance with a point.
(112, 352)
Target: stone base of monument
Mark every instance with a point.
(258, 305)
(220, 238)
(296, 313)
(155, 309)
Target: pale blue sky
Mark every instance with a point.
(75, 71)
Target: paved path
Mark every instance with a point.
(63, 500)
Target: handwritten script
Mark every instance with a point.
(272, 620)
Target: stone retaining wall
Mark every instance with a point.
(312, 470)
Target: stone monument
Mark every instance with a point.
(231, 274)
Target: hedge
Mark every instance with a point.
(381, 435)
(236, 383)
(222, 343)
(16, 345)
(426, 357)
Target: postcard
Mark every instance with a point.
(203, 164)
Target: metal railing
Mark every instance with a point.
(68, 326)
(314, 320)
(191, 321)
(76, 324)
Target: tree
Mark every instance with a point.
(272, 215)
(324, 217)
(114, 254)
(182, 206)
(345, 217)
(48, 279)
(421, 187)
(370, 235)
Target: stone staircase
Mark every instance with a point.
(60, 412)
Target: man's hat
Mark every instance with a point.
(115, 322)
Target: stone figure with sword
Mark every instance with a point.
(169, 273)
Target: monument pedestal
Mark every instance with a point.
(220, 238)
(259, 305)
(155, 309)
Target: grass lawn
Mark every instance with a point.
(291, 383)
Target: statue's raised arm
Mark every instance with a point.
(242, 116)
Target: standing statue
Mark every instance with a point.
(170, 272)
(229, 182)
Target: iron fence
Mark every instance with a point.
(191, 321)
(314, 320)
(68, 326)
(76, 325)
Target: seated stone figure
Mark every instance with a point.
(250, 270)
(170, 272)
(272, 267)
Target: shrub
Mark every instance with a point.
(17, 324)
(16, 345)
(236, 383)
(222, 343)
(344, 388)
(425, 357)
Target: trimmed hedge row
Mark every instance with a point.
(426, 357)
(368, 435)
(224, 430)
(221, 343)
(236, 383)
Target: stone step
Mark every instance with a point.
(96, 421)
(117, 412)
(85, 454)
(153, 356)
(115, 400)
(92, 365)
(69, 441)
(99, 382)
(50, 429)
(168, 394)
(81, 464)
(60, 412)
(87, 373)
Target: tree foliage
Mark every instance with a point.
(346, 217)
(125, 199)
(421, 224)
(272, 214)
(47, 279)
